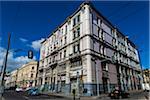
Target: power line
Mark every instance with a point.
(130, 14)
(117, 11)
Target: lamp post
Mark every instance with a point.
(78, 84)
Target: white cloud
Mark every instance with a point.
(23, 40)
(36, 44)
(13, 62)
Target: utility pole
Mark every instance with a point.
(4, 69)
(78, 86)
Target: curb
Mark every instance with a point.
(71, 97)
(58, 95)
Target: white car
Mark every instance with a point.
(19, 89)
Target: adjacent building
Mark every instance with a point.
(13, 78)
(26, 75)
(7, 80)
(88, 54)
(146, 79)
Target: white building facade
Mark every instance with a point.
(88, 44)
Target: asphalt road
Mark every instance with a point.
(12, 95)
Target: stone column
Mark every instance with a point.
(67, 87)
(89, 75)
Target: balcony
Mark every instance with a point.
(75, 57)
(54, 51)
(53, 64)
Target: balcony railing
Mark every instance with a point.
(54, 51)
(75, 56)
(53, 64)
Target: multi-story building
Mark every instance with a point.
(26, 75)
(13, 78)
(87, 45)
(146, 75)
(7, 80)
(146, 79)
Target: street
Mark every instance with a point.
(11, 95)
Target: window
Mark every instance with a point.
(48, 52)
(114, 41)
(54, 59)
(52, 39)
(33, 67)
(49, 60)
(31, 75)
(104, 50)
(100, 49)
(76, 33)
(76, 20)
(93, 44)
(54, 46)
(64, 53)
(51, 48)
(97, 20)
(105, 66)
(66, 29)
(61, 41)
(102, 35)
(76, 63)
(65, 39)
(76, 48)
(62, 30)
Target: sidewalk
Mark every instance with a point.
(3, 98)
(70, 97)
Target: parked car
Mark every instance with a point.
(116, 94)
(33, 91)
(28, 88)
(19, 89)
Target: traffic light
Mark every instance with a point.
(30, 54)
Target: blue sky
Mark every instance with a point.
(30, 22)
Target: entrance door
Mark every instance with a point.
(105, 85)
(74, 85)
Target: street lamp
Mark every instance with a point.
(78, 92)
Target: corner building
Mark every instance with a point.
(87, 44)
(26, 75)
